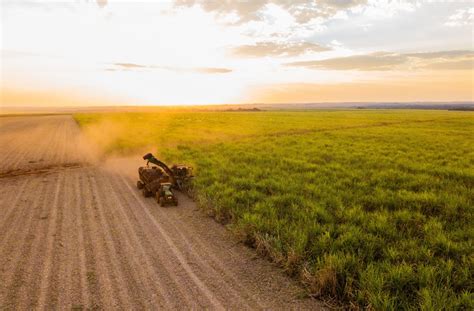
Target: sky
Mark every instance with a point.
(183, 52)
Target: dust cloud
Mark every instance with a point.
(98, 141)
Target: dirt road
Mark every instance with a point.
(76, 235)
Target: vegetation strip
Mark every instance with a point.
(375, 216)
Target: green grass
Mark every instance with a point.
(374, 208)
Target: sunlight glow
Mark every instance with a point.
(149, 53)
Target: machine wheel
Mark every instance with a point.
(190, 193)
(146, 193)
(176, 203)
(162, 202)
(140, 185)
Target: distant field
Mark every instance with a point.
(373, 208)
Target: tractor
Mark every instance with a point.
(164, 195)
(160, 180)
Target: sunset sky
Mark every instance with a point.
(217, 52)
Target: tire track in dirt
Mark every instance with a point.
(208, 268)
(177, 280)
(22, 251)
(247, 294)
(60, 258)
(62, 291)
(14, 137)
(22, 214)
(61, 148)
(14, 150)
(28, 297)
(7, 153)
(120, 268)
(86, 293)
(100, 276)
(19, 148)
(25, 154)
(48, 140)
(212, 263)
(179, 255)
(130, 236)
(59, 142)
(13, 205)
(51, 235)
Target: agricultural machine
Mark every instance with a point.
(160, 180)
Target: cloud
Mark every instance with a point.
(381, 61)
(462, 17)
(302, 10)
(466, 64)
(204, 70)
(102, 3)
(246, 10)
(262, 49)
(129, 65)
(374, 61)
(15, 53)
(442, 54)
(211, 70)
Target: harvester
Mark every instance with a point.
(160, 180)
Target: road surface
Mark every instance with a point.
(78, 235)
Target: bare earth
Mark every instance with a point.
(74, 234)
